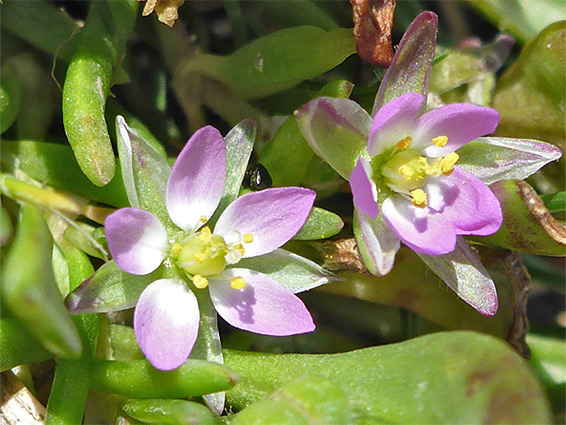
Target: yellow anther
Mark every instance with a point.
(205, 234)
(240, 248)
(447, 163)
(404, 143)
(200, 257)
(176, 248)
(248, 238)
(238, 283)
(440, 141)
(203, 219)
(199, 281)
(419, 198)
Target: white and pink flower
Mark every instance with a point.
(166, 318)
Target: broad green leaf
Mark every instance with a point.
(555, 202)
(277, 61)
(412, 63)
(492, 159)
(55, 165)
(447, 377)
(287, 156)
(320, 224)
(144, 170)
(29, 289)
(527, 225)
(291, 270)
(530, 96)
(239, 144)
(168, 412)
(307, 400)
(10, 99)
(138, 378)
(110, 289)
(522, 18)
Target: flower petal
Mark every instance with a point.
(460, 122)
(197, 179)
(394, 121)
(263, 306)
(271, 216)
(137, 240)
(466, 202)
(377, 243)
(363, 189)
(421, 229)
(336, 130)
(166, 322)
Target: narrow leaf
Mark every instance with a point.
(320, 224)
(168, 412)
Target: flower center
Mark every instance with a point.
(205, 254)
(406, 170)
(202, 254)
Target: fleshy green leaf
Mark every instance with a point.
(524, 19)
(278, 61)
(29, 289)
(291, 270)
(320, 224)
(19, 346)
(137, 378)
(110, 289)
(527, 226)
(555, 202)
(55, 165)
(492, 159)
(447, 377)
(412, 63)
(168, 412)
(463, 271)
(144, 170)
(10, 99)
(306, 400)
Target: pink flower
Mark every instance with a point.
(166, 318)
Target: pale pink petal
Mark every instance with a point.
(137, 240)
(363, 189)
(377, 243)
(466, 202)
(460, 122)
(263, 306)
(197, 179)
(271, 216)
(393, 122)
(421, 229)
(166, 322)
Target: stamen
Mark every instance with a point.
(248, 238)
(440, 141)
(419, 198)
(205, 234)
(203, 219)
(404, 143)
(238, 283)
(447, 163)
(199, 281)
(176, 248)
(201, 257)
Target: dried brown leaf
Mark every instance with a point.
(373, 22)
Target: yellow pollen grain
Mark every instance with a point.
(440, 141)
(176, 248)
(406, 172)
(419, 198)
(240, 248)
(447, 163)
(203, 219)
(199, 281)
(248, 238)
(238, 283)
(404, 143)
